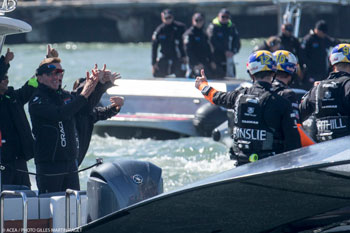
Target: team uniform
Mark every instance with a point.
(169, 37)
(329, 102)
(263, 122)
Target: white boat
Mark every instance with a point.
(163, 108)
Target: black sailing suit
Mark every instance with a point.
(198, 51)
(52, 114)
(169, 37)
(314, 54)
(15, 129)
(284, 91)
(330, 109)
(223, 37)
(90, 114)
(277, 118)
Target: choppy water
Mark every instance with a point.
(183, 161)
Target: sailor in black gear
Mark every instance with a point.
(52, 114)
(314, 52)
(264, 123)
(14, 127)
(169, 36)
(197, 48)
(225, 42)
(288, 41)
(90, 114)
(329, 100)
(285, 69)
(272, 44)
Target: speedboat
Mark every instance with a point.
(164, 108)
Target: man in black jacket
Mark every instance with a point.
(52, 114)
(14, 126)
(90, 114)
(314, 52)
(329, 100)
(286, 68)
(288, 41)
(169, 36)
(225, 42)
(263, 121)
(197, 48)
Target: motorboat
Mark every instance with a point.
(163, 108)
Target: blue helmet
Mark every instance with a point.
(286, 61)
(261, 60)
(340, 53)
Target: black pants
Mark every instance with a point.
(13, 177)
(170, 66)
(49, 184)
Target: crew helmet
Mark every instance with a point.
(340, 53)
(286, 61)
(261, 60)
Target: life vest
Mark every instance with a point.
(251, 135)
(332, 120)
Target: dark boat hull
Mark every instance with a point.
(274, 193)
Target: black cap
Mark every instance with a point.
(322, 26)
(167, 12)
(224, 11)
(45, 69)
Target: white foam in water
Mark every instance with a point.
(183, 161)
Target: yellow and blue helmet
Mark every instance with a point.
(285, 61)
(261, 60)
(340, 53)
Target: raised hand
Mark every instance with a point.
(9, 56)
(201, 79)
(51, 52)
(90, 84)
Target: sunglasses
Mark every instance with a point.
(57, 72)
(198, 20)
(168, 17)
(225, 17)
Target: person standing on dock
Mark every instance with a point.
(198, 49)
(14, 127)
(169, 36)
(225, 42)
(314, 53)
(329, 100)
(264, 123)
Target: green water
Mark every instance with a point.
(183, 161)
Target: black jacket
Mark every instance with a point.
(53, 120)
(308, 102)
(291, 44)
(277, 114)
(169, 37)
(18, 140)
(314, 54)
(219, 37)
(197, 46)
(89, 115)
(284, 91)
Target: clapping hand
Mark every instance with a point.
(90, 84)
